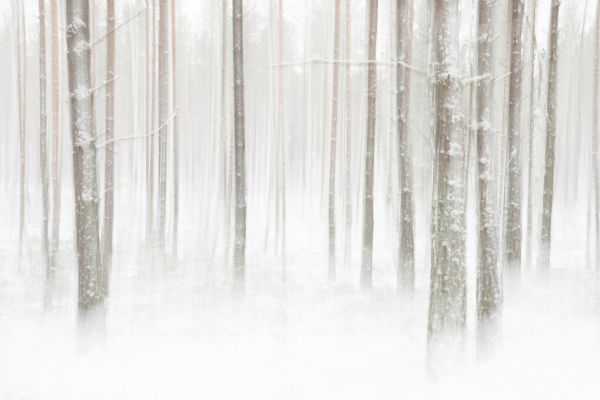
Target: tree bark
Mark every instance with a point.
(240, 159)
(512, 232)
(348, 149)
(333, 142)
(109, 168)
(489, 294)
(595, 132)
(175, 128)
(533, 53)
(447, 304)
(84, 157)
(57, 135)
(163, 110)
(44, 137)
(366, 276)
(406, 257)
(546, 235)
(21, 106)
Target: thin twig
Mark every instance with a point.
(103, 37)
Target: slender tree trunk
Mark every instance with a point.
(163, 110)
(533, 54)
(489, 294)
(21, 104)
(44, 137)
(366, 275)
(84, 157)
(348, 150)
(447, 304)
(57, 136)
(240, 159)
(109, 168)
(595, 132)
(175, 128)
(546, 235)
(333, 142)
(225, 139)
(406, 256)
(150, 110)
(512, 232)
(282, 140)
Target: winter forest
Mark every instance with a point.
(299, 199)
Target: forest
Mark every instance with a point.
(299, 199)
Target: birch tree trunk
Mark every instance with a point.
(109, 168)
(489, 294)
(447, 304)
(57, 135)
(175, 128)
(163, 118)
(406, 256)
(533, 53)
(366, 275)
(333, 142)
(546, 235)
(239, 253)
(44, 137)
(84, 157)
(512, 232)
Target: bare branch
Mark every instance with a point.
(122, 24)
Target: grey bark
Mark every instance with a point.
(406, 256)
(44, 137)
(163, 111)
(21, 106)
(175, 128)
(84, 157)
(489, 294)
(447, 304)
(546, 233)
(533, 54)
(333, 142)
(239, 253)
(348, 147)
(512, 229)
(57, 135)
(366, 272)
(595, 132)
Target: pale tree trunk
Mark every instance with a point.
(225, 139)
(406, 257)
(84, 158)
(348, 149)
(595, 199)
(109, 168)
(489, 294)
(333, 142)
(57, 135)
(366, 272)
(282, 140)
(239, 253)
(175, 128)
(44, 137)
(533, 54)
(21, 104)
(150, 87)
(447, 304)
(546, 235)
(512, 231)
(163, 110)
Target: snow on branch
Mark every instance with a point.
(119, 26)
(354, 63)
(135, 136)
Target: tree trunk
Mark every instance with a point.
(57, 135)
(163, 118)
(239, 254)
(447, 304)
(109, 168)
(44, 137)
(595, 132)
(366, 276)
(333, 142)
(489, 294)
(406, 256)
(84, 157)
(533, 53)
(546, 235)
(512, 233)
(150, 86)
(348, 150)
(175, 128)
(21, 104)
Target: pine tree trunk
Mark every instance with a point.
(239, 254)
(489, 294)
(44, 137)
(84, 157)
(366, 275)
(175, 129)
(21, 105)
(57, 136)
(282, 141)
(447, 304)
(163, 118)
(109, 168)
(512, 233)
(406, 256)
(333, 142)
(150, 86)
(546, 235)
(348, 149)
(533, 53)
(595, 132)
